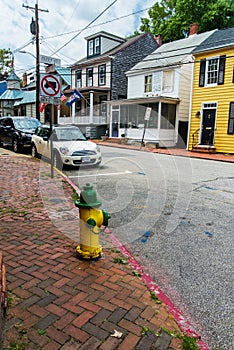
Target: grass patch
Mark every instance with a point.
(122, 261)
(155, 298)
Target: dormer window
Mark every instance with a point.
(94, 47)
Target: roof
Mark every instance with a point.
(11, 95)
(3, 87)
(27, 97)
(170, 54)
(105, 34)
(65, 74)
(219, 39)
(111, 52)
(13, 76)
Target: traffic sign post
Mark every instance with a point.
(147, 117)
(50, 90)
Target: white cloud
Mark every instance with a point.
(64, 17)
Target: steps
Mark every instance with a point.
(204, 149)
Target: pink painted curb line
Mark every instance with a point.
(184, 325)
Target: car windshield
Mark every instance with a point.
(68, 134)
(23, 123)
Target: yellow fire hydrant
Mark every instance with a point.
(91, 220)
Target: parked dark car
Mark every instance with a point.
(16, 132)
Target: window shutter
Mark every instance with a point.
(231, 119)
(202, 72)
(222, 60)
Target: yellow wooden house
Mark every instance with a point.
(211, 127)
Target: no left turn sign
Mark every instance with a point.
(50, 85)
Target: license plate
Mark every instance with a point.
(86, 160)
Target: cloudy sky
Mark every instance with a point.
(64, 20)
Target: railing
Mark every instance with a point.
(195, 137)
(96, 120)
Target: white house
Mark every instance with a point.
(163, 82)
(100, 77)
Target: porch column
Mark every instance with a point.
(73, 111)
(159, 118)
(91, 107)
(58, 113)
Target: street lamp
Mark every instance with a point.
(29, 53)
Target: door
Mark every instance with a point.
(115, 123)
(208, 126)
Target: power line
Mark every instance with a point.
(97, 25)
(86, 26)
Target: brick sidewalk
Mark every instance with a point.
(55, 300)
(171, 151)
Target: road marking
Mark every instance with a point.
(108, 174)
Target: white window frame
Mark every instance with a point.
(168, 80)
(148, 83)
(214, 72)
(96, 46)
(79, 81)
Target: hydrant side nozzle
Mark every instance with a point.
(91, 222)
(106, 217)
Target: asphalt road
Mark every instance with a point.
(186, 207)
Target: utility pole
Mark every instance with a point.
(36, 33)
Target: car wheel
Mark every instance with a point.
(57, 161)
(34, 151)
(15, 146)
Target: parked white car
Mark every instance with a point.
(70, 146)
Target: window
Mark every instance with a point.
(148, 83)
(168, 116)
(168, 81)
(133, 116)
(212, 71)
(94, 47)
(78, 107)
(231, 119)
(89, 77)
(102, 104)
(97, 46)
(102, 74)
(79, 78)
(90, 45)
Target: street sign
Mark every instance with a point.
(50, 100)
(50, 85)
(147, 113)
(50, 60)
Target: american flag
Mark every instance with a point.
(63, 97)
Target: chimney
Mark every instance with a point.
(158, 39)
(25, 82)
(193, 29)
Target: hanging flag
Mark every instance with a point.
(42, 107)
(63, 97)
(75, 96)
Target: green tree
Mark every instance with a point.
(172, 18)
(5, 60)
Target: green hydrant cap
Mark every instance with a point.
(88, 198)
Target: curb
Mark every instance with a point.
(181, 321)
